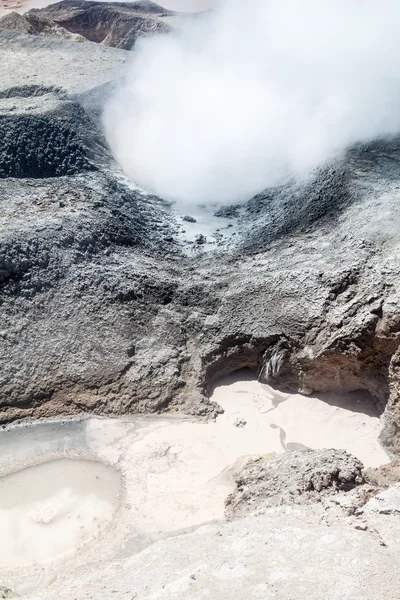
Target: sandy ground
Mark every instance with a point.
(286, 554)
(11, 5)
(21, 6)
(176, 474)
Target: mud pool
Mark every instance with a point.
(78, 491)
(50, 510)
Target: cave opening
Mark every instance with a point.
(290, 421)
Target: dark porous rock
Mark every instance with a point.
(292, 478)
(201, 239)
(189, 219)
(36, 147)
(228, 212)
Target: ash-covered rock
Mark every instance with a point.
(35, 25)
(385, 475)
(82, 241)
(228, 212)
(292, 478)
(104, 308)
(113, 24)
(386, 502)
(200, 239)
(282, 211)
(16, 22)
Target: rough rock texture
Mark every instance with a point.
(391, 433)
(16, 22)
(65, 253)
(38, 148)
(106, 306)
(35, 25)
(117, 25)
(384, 476)
(386, 503)
(293, 477)
(381, 517)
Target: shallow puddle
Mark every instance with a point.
(59, 510)
(50, 510)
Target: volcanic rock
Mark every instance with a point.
(384, 476)
(101, 313)
(106, 309)
(293, 478)
(35, 25)
(114, 24)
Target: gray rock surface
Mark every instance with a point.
(384, 476)
(60, 237)
(54, 63)
(114, 24)
(292, 478)
(16, 22)
(107, 307)
(35, 25)
(380, 516)
(385, 503)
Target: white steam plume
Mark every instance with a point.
(254, 93)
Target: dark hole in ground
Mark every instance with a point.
(37, 147)
(244, 374)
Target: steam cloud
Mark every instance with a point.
(254, 93)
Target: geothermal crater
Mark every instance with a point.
(64, 509)
(120, 316)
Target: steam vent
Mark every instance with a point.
(199, 300)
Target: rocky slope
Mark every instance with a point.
(107, 306)
(293, 478)
(34, 25)
(117, 24)
(112, 302)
